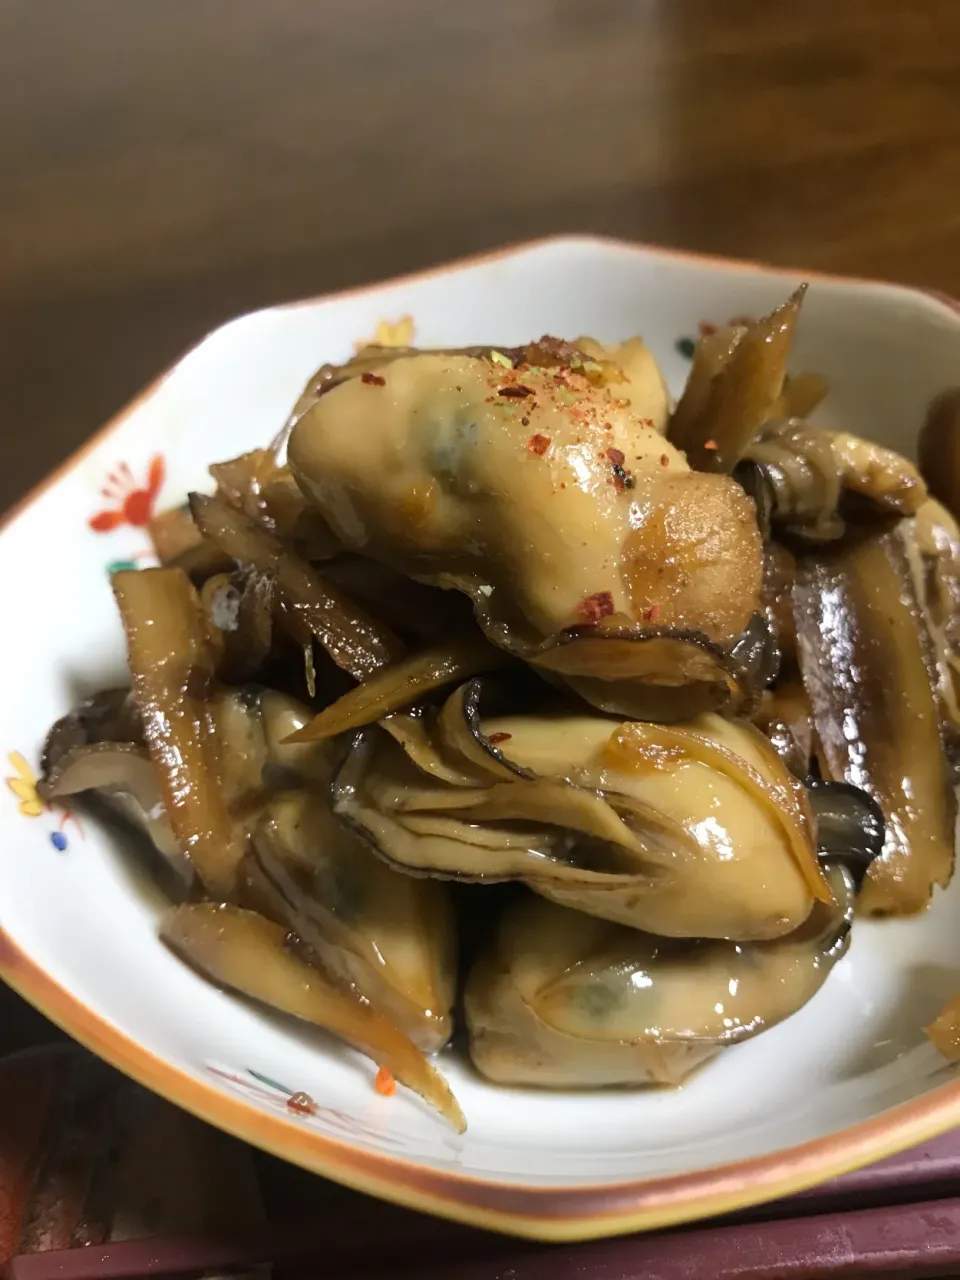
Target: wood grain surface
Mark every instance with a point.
(165, 164)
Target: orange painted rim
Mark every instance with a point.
(545, 1213)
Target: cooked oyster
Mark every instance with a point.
(563, 1001)
(551, 499)
(693, 831)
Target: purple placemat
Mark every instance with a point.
(900, 1217)
(927, 1171)
(920, 1239)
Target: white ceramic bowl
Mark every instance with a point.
(847, 1080)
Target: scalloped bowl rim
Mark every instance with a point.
(544, 1213)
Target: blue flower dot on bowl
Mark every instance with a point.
(58, 840)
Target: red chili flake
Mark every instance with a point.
(593, 608)
(706, 328)
(373, 379)
(385, 1084)
(538, 444)
(710, 444)
(653, 613)
(608, 426)
(525, 422)
(616, 456)
(302, 1104)
(647, 422)
(494, 738)
(664, 460)
(517, 392)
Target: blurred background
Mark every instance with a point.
(165, 165)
